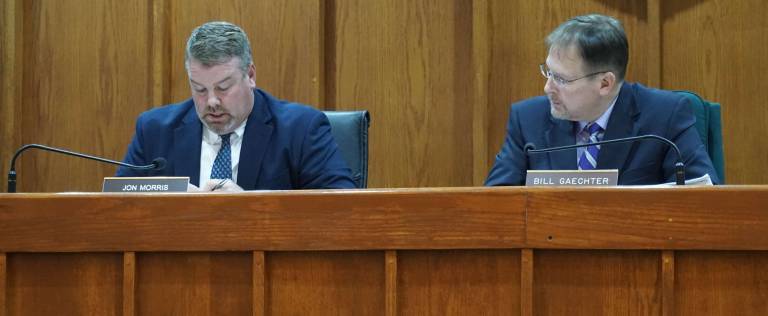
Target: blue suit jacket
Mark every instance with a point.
(285, 146)
(638, 111)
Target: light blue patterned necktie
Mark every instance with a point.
(222, 166)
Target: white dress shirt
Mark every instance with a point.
(210, 148)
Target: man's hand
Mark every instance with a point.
(220, 185)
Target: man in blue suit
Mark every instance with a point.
(586, 101)
(231, 136)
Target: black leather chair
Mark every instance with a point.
(350, 129)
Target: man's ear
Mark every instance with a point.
(252, 76)
(608, 83)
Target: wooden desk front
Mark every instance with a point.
(578, 251)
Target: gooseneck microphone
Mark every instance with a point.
(157, 164)
(530, 148)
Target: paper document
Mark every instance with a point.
(700, 181)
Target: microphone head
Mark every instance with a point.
(528, 147)
(159, 163)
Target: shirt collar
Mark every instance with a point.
(210, 137)
(603, 119)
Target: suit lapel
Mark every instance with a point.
(620, 125)
(257, 135)
(560, 133)
(186, 151)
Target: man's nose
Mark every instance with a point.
(549, 86)
(213, 100)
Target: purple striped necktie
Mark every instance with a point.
(588, 159)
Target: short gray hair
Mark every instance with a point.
(215, 43)
(599, 39)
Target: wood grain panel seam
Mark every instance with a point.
(3, 283)
(11, 79)
(129, 283)
(326, 87)
(668, 282)
(390, 286)
(259, 284)
(480, 67)
(159, 53)
(654, 21)
(526, 282)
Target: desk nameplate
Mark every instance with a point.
(145, 184)
(608, 177)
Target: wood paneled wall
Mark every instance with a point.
(437, 75)
(719, 48)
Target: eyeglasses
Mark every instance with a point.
(560, 81)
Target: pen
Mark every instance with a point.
(219, 185)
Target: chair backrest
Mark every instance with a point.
(710, 129)
(350, 129)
